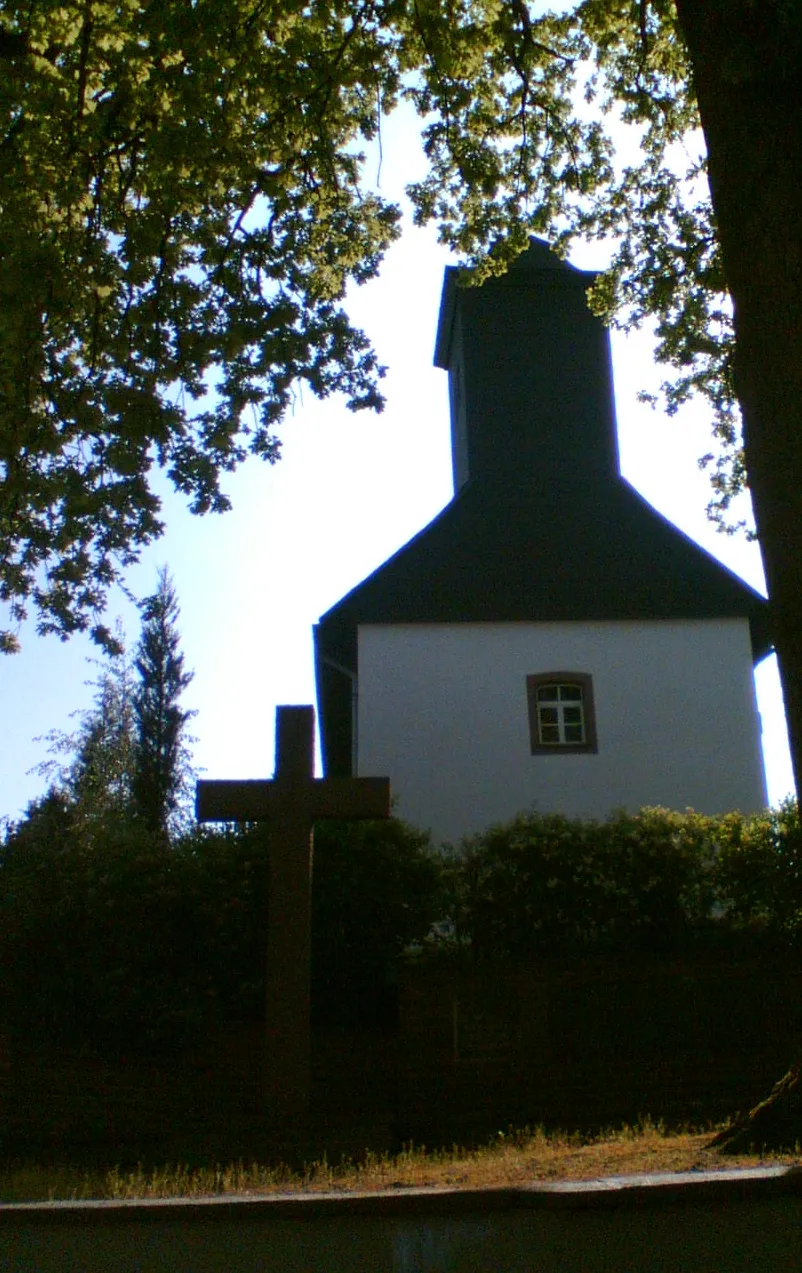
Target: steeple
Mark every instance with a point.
(543, 532)
(530, 378)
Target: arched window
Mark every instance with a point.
(561, 712)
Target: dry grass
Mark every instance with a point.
(514, 1158)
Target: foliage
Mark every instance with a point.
(162, 771)
(759, 873)
(118, 944)
(107, 939)
(184, 193)
(129, 757)
(654, 881)
(94, 774)
(377, 888)
(548, 884)
(180, 196)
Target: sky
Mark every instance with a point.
(349, 490)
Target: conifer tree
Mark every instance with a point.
(161, 768)
(90, 768)
(101, 773)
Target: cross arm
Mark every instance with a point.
(239, 801)
(256, 800)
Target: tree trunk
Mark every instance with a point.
(746, 62)
(772, 1124)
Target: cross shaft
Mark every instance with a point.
(291, 803)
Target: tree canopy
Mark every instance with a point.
(183, 206)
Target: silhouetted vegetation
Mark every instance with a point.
(377, 888)
(108, 939)
(115, 942)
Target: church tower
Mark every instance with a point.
(529, 376)
(549, 640)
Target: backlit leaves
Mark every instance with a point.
(182, 207)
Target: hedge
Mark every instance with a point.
(659, 880)
(126, 944)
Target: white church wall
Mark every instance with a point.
(442, 709)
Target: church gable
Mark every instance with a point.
(542, 530)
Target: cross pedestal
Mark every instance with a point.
(292, 802)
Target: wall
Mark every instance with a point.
(479, 1047)
(592, 1042)
(442, 709)
(200, 1105)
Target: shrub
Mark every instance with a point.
(759, 874)
(377, 888)
(549, 885)
(114, 939)
(124, 944)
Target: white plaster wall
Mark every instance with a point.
(442, 709)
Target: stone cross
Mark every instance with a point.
(291, 803)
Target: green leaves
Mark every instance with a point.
(162, 769)
(182, 208)
(180, 212)
(116, 943)
(659, 881)
(129, 760)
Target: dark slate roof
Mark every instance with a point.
(501, 555)
(536, 258)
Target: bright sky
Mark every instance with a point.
(349, 490)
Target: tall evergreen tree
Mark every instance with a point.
(161, 769)
(90, 769)
(101, 773)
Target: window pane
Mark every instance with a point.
(571, 692)
(549, 733)
(572, 715)
(547, 694)
(573, 734)
(548, 715)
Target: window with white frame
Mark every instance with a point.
(562, 716)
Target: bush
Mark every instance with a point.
(656, 880)
(377, 888)
(759, 874)
(123, 943)
(127, 944)
(118, 940)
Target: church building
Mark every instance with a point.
(549, 641)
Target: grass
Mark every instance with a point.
(512, 1158)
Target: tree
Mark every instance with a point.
(182, 194)
(161, 768)
(96, 780)
(128, 761)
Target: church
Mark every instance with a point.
(549, 641)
